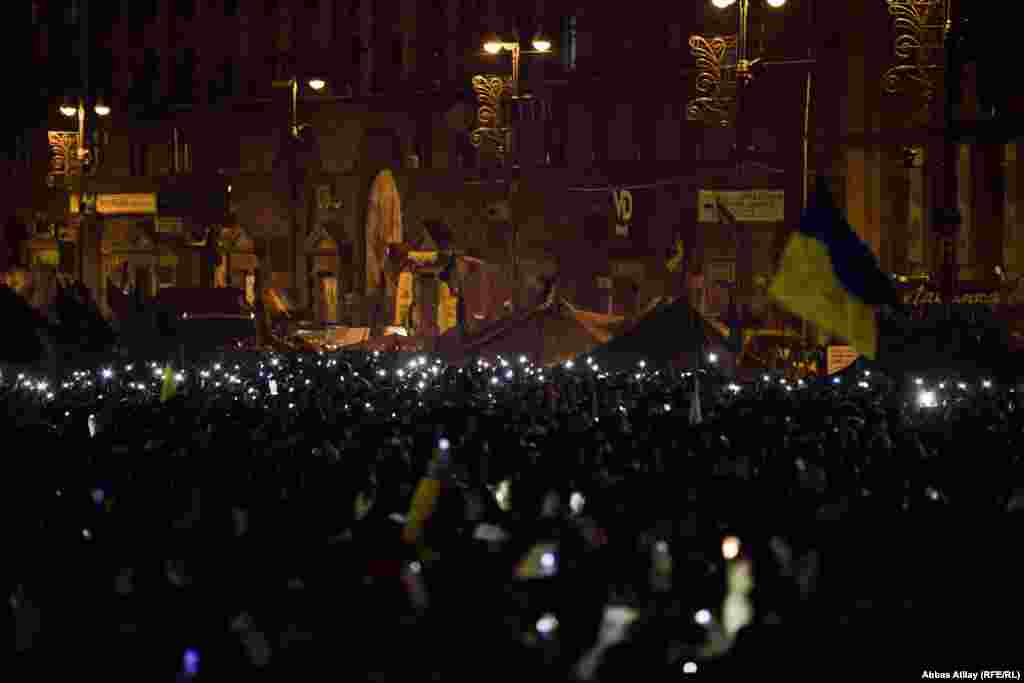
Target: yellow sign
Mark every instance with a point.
(144, 203)
(448, 310)
(125, 203)
(403, 299)
(840, 358)
(423, 258)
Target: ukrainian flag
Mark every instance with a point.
(829, 276)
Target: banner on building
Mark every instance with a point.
(448, 309)
(112, 204)
(126, 203)
(748, 206)
(403, 300)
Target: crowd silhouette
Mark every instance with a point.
(386, 517)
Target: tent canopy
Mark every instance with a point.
(392, 343)
(23, 341)
(671, 333)
(551, 333)
(202, 300)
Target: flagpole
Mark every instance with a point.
(806, 161)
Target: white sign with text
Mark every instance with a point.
(747, 206)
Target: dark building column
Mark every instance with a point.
(989, 189)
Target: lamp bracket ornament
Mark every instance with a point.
(489, 92)
(919, 31)
(64, 160)
(716, 80)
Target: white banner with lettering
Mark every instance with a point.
(747, 206)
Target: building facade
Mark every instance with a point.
(597, 185)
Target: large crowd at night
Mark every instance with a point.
(388, 517)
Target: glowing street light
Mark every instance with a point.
(492, 44)
(541, 43)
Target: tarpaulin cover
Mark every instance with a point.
(672, 334)
(277, 301)
(392, 343)
(22, 343)
(202, 300)
(551, 333)
(486, 288)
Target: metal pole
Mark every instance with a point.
(950, 220)
(806, 165)
(81, 129)
(298, 264)
(294, 110)
(745, 262)
(511, 152)
(85, 223)
(744, 13)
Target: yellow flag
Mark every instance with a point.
(403, 299)
(170, 387)
(676, 261)
(424, 502)
(448, 310)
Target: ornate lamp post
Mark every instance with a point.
(721, 100)
(86, 159)
(491, 90)
(297, 239)
(926, 36)
(492, 125)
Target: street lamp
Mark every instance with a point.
(714, 105)
(315, 83)
(490, 90)
(493, 45)
(77, 109)
(541, 42)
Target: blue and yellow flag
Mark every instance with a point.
(829, 276)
